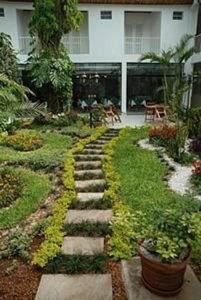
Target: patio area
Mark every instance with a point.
(131, 120)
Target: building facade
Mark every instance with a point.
(111, 39)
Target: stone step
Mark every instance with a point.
(86, 165)
(92, 151)
(73, 245)
(85, 197)
(88, 157)
(75, 287)
(100, 142)
(89, 174)
(105, 138)
(94, 146)
(94, 215)
(95, 185)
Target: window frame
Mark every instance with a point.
(108, 14)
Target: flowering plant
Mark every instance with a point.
(197, 167)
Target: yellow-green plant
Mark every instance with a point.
(54, 232)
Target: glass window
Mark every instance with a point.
(106, 15)
(177, 15)
(2, 14)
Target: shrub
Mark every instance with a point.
(195, 146)
(10, 187)
(163, 133)
(196, 178)
(197, 167)
(18, 245)
(194, 121)
(24, 140)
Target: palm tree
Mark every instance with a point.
(14, 101)
(164, 59)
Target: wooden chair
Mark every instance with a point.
(160, 113)
(149, 113)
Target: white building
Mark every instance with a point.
(108, 46)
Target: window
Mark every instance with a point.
(177, 15)
(2, 12)
(106, 15)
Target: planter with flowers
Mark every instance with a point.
(164, 245)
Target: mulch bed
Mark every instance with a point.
(114, 268)
(22, 282)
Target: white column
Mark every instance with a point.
(124, 87)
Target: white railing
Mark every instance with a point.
(140, 45)
(25, 44)
(198, 43)
(76, 44)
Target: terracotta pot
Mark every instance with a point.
(161, 278)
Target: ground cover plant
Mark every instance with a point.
(142, 185)
(49, 156)
(35, 190)
(10, 186)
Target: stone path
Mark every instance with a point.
(90, 185)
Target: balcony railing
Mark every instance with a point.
(75, 45)
(198, 43)
(140, 45)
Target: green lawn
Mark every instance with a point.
(141, 173)
(51, 155)
(35, 190)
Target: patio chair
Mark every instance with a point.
(149, 112)
(160, 113)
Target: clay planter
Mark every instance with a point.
(161, 278)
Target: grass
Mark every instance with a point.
(87, 229)
(92, 204)
(35, 190)
(141, 173)
(51, 155)
(75, 264)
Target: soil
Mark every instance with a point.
(114, 268)
(19, 280)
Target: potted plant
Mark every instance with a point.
(164, 246)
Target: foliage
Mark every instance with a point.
(35, 190)
(100, 204)
(10, 187)
(194, 122)
(75, 264)
(141, 179)
(53, 74)
(197, 167)
(51, 67)
(18, 244)
(51, 247)
(195, 146)
(161, 135)
(196, 178)
(49, 156)
(8, 57)
(87, 229)
(52, 19)
(24, 140)
(169, 234)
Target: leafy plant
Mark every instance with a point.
(8, 57)
(169, 235)
(195, 146)
(24, 140)
(18, 245)
(10, 187)
(87, 229)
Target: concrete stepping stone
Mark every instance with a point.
(86, 165)
(100, 142)
(94, 185)
(75, 287)
(92, 151)
(82, 245)
(89, 174)
(94, 215)
(94, 146)
(88, 157)
(85, 197)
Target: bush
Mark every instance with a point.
(35, 190)
(194, 121)
(10, 187)
(18, 245)
(24, 140)
(196, 178)
(162, 134)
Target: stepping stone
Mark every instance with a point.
(75, 287)
(85, 197)
(89, 174)
(81, 165)
(92, 151)
(90, 185)
(94, 146)
(94, 215)
(82, 245)
(100, 142)
(89, 157)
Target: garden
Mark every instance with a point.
(78, 199)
